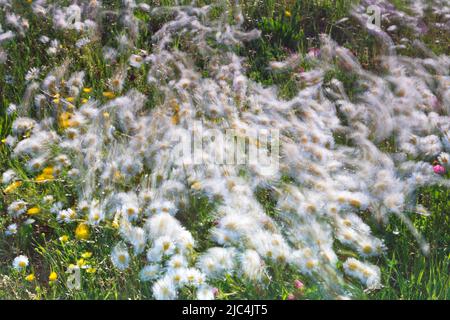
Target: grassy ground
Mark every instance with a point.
(287, 26)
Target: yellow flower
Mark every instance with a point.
(117, 174)
(64, 238)
(91, 270)
(33, 211)
(53, 277)
(70, 99)
(82, 231)
(65, 121)
(12, 187)
(30, 277)
(196, 185)
(86, 255)
(81, 262)
(109, 94)
(48, 171)
(64, 116)
(175, 119)
(87, 90)
(43, 178)
(84, 100)
(287, 13)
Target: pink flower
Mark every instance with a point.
(215, 291)
(438, 169)
(435, 103)
(314, 52)
(298, 284)
(290, 296)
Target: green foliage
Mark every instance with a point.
(287, 27)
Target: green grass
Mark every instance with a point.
(407, 273)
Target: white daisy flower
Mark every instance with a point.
(177, 261)
(67, 216)
(205, 292)
(252, 265)
(20, 262)
(17, 208)
(8, 176)
(32, 74)
(11, 229)
(120, 257)
(136, 61)
(164, 289)
(149, 272)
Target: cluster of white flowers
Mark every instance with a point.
(126, 161)
(367, 273)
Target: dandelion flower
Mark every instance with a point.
(82, 231)
(30, 277)
(64, 238)
(109, 94)
(81, 263)
(86, 255)
(12, 187)
(33, 211)
(53, 277)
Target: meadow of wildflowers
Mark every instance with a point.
(224, 150)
